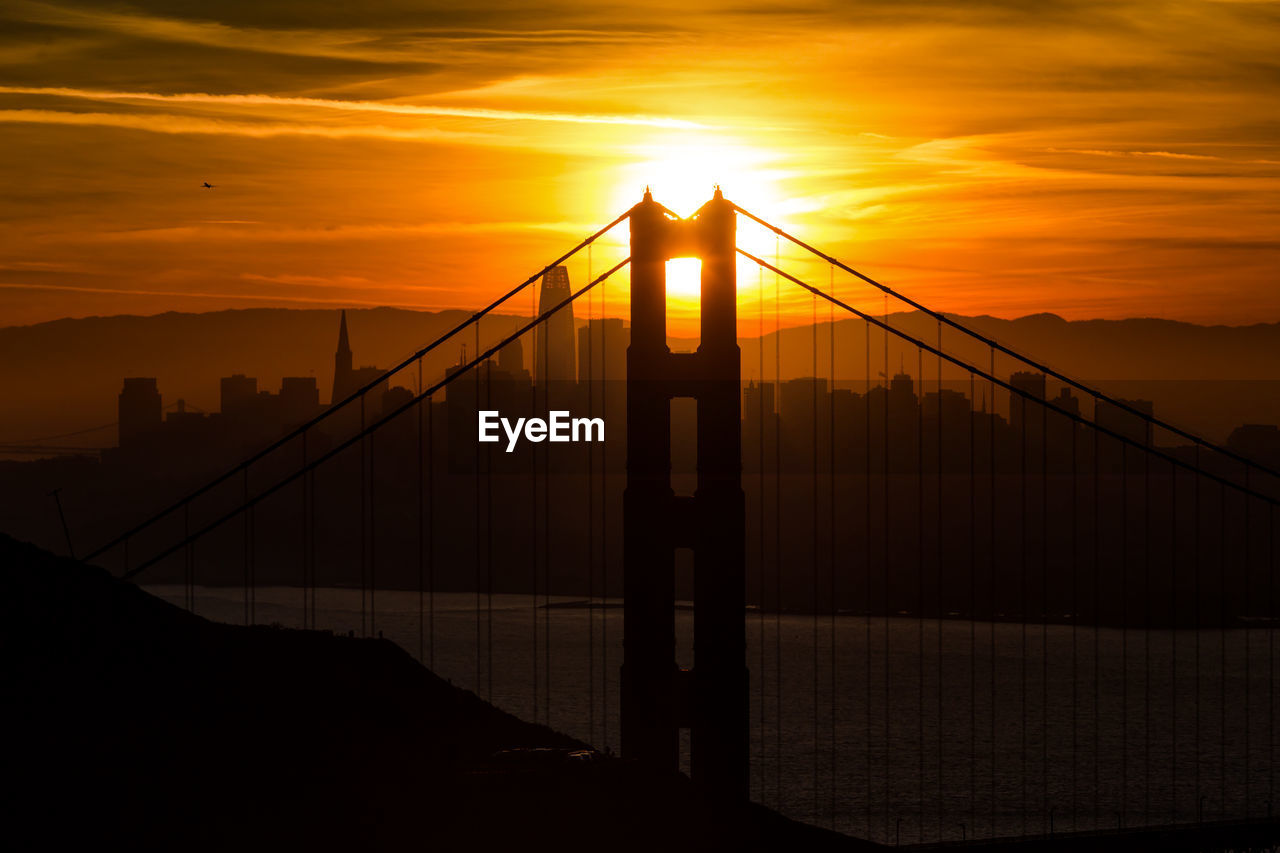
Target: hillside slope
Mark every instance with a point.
(134, 725)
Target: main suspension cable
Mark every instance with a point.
(1035, 365)
(358, 393)
(371, 428)
(1021, 393)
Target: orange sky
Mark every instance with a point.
(1093, 159)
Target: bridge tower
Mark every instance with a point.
(659, 698)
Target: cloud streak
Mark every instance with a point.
(250, 297)
(380, 107)
(166, 123)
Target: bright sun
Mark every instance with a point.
(682, 172)
(684, 279)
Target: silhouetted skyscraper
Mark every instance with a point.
(511, 358)
(796, 405)
(347, 379)
(238, 396)
(342, 363)
(139, 411)
(554, 338)
(903, 387)
(1033, 384)
(757, 401)
(299, 399)
(602, 350)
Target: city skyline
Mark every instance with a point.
(566, 364)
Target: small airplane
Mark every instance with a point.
(206, 186)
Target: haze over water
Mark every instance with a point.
(1123, 751)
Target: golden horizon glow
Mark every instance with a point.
(978, 157)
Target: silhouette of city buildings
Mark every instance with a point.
(139, 411)
(602, 349)
(856, 426)
(894, 454)
(1257, 441)
(347, 379)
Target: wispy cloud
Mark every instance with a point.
(237, 233)
(383, 107)
(166, 123)
(1170, 155)
(417, 35)
(249, 297)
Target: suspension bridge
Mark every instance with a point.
(907, 593)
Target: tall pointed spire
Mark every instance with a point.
(342, 384)
(344, 346)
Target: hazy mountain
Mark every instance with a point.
(64, 375)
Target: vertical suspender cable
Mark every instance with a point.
(813, 338)
(938, 581)
(591, 521)
(364, 542)
(831, 525)
(1271, 657)
(535, 551)
(885, 569)
(1146, 639)
(870, 608)
(253, 564)
(973, 612)
(1175, 622)
(920, 603)
(1195, 597)
(604, 516)
(373, 537)
(475, 480)
(247, 535)
(991, 573)
(1044, 610)
(777, 532)
(421, 522)
(1245, 602)
(306, 532)
(431, 533)
(189, 590)
(1075, 621)
(760, 599)
(1124, 632)
(1222, 649)
(311, 543)
(1097, 613)
(546, 553)
(1022, 608)
(488, 540)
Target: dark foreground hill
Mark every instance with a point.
(131, 724)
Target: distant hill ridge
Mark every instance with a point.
(64, 375)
